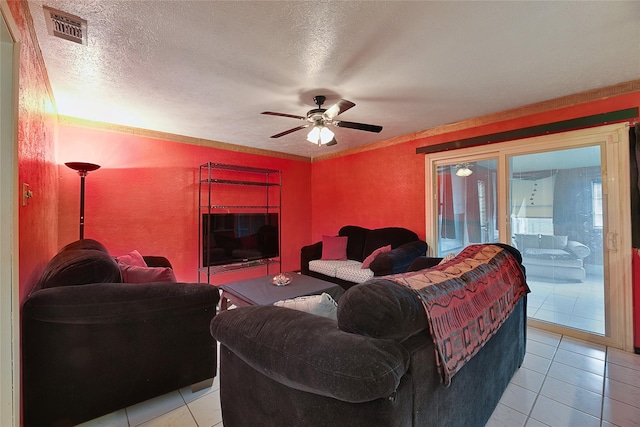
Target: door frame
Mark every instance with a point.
(9, 281)
(617, 238)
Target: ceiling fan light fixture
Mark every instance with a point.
(313, 135)
(320, 135)
(463, 170)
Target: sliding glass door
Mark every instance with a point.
(467, 204)
(562, 201)
(557, 221)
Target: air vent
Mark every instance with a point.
(65, 25)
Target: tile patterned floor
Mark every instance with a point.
(576, 305)
(563, 382)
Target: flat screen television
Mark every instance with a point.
(239, 237)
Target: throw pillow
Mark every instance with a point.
(553, 242)
(334, 248)
(132, 258)
(137, 274)
(367, 261)
(320, 305)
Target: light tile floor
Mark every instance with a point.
(578, 305)
(563, 382)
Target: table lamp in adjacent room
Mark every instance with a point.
(83, 169)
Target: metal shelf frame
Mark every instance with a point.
(212, 175)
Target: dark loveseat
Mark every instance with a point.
(361, 243)
(91, 346)
(375, 366)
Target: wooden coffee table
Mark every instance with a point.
(260, 290)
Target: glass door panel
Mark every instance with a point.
(563, 201)
(467, 204)
(557, 221)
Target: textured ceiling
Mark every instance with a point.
(207, 69)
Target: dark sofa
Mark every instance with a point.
(91, 345)
(375, 366)
(361, 242)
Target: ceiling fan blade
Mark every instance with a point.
(287, 132)
(359, 126)
(338, 108)
(332, 142)
(271, 113)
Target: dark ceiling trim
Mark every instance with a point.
(548, 128)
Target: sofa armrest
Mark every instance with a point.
(399, 259)
(309, 253)
(309, 353)
(578, 249)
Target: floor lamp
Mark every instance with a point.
(83, 169)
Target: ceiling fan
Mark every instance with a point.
(320, 118)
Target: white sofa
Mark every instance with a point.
(552, 257)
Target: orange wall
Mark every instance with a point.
(385, 187)
(38, 222)
(145, 196)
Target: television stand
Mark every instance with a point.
(233, 189)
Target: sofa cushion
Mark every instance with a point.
(524, 241)
(355, 244)
(343, 366)
(367, 261)
(79, 267)
(329, 267)
(550, 265)
(553, 242)
(354, 273)
(334, 248)
(548, 254)
(380, 308)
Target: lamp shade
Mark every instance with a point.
(463, 170)
(320, 135)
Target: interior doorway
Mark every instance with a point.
(562, 201)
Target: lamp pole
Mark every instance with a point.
(83, 169)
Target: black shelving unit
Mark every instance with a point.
(223, 189)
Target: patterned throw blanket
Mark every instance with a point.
(466, 299)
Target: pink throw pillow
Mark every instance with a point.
(334, 248)
(132, 258)
(368, 260)
(137, 274)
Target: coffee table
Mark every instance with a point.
(260, 290)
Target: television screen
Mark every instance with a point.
(239, 237)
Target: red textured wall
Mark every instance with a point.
(144, 196)
(38, 222)
(379, 188)
(385, 187)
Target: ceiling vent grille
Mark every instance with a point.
(65, 25)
